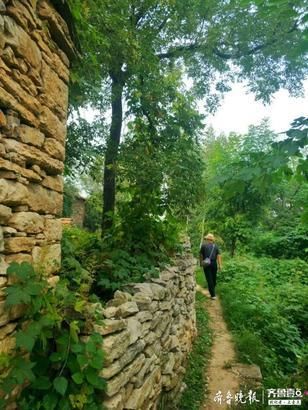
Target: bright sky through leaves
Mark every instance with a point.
(238, 110)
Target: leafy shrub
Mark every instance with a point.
(57, 366)
(102, 267)
(265, 303)
(292, 244)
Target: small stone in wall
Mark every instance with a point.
(138, 397)
(110, 312)
(3, 265)
(3, 121)
(128, 309)
(131, 352)
(110, 326)
(143, 302)
(144, 316)
(114, 403)
(7, 330)
(135, 329)
(116, 383)
(115, 346)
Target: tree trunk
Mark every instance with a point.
(109, 188)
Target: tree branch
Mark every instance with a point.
(179, 51)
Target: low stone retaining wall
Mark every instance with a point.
(148, 332)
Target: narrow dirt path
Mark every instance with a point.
(220, 377)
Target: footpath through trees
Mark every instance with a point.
(225, 377)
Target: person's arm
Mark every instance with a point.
(219, 260)
(201, 255)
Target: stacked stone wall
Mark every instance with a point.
(148, 332)
(35, 46)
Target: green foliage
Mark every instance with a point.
(265, 304)
(158, 44)
(292, 244)
(195, 377)
(85, 141)
(69, 195)
(95, 266)
(58, 366)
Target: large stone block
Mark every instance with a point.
(34, 156)
(30, 135)
(23, 96)
(29, 222)
(58, 28)
(19, 244)
(22, 14)
(53, 229)
(128, 309)
(47, 259)
(52, 126)
(135, 329)
(5, 214)
(13, 193)
(55, 92)
(43, 200)
(18, 170)
(54, 148)
(22, 44)
(54, 183)
(110, 326)
(8, 100)
(19, 258)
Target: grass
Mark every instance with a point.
(200, 278)
(195, 378)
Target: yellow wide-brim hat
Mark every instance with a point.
(210, 236)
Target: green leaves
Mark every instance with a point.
(269, 319)
(60, 384)
(57, 362)
(28, 286)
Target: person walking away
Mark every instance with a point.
(210, 260)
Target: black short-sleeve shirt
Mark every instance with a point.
(207, 250)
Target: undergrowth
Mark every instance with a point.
(55, 365)
(265, 304)
(109, 263)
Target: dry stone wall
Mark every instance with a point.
(148, 332)
(35, 48)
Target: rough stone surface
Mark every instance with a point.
(29, 222)
(35, 48)
(46, 259)
(146, 358)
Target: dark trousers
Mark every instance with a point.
(210, 274)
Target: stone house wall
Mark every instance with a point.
(148, 332)
(78, 211)
(35, 48)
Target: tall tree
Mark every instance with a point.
(129, 45)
